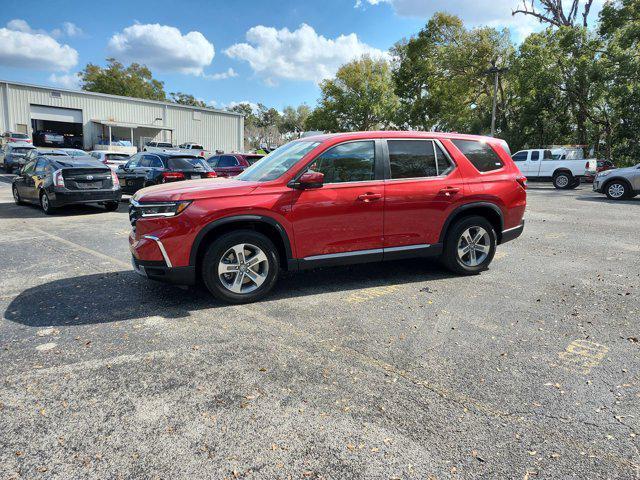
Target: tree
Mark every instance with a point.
(294, 119)
(186, 99)
(360, 97)
(116, 79)
(620, 31)
(553, 12)
(441, 75)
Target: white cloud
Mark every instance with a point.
(23, 47)
(163, 47)
(229, 73)
(70, 81)
(301, 54)
(71, 29)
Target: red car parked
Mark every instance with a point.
(232, 164)
(331, 200)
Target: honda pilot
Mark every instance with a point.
(328, 200)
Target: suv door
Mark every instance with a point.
(127, 174)
(343, 217)
(422, 188)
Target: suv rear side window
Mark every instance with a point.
(480, 154)
(412, 158)
(349, 162)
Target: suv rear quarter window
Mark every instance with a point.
(480, 154)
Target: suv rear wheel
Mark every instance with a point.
(470, 246)
(563, 180)
(617, 190)
(240, 266)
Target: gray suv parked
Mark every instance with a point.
(619, 183)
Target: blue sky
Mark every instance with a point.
(274, 52)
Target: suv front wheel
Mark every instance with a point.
(470, 246)
(240, 266)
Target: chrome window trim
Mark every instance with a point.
(162, 250)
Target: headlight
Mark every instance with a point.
(605, 173)
(164, 209)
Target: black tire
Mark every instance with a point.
(563, 180)
(214, 256)
(617, 190)
(450, 257)
(45, 203)
(16, 196)
(574, 185)
(111, 206)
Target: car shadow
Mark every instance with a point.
(117, 296)
(601, 198)
(29, 210)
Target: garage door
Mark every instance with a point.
(54, 114)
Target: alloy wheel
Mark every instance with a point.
(45, 202)
(16, 195)
(243, 268)
(616, 190)
(474, 246)
(562, 181)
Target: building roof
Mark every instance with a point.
(133, 99)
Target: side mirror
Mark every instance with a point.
(310, 180)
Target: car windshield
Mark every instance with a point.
(116, 156)
(18, 135)
(277, 162)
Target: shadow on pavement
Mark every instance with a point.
(117, 296)
(598, 198)
(13, 211)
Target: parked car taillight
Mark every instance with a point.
(115, 180)
(210, 175)
(58, 180)
(522, 181)
(170, 176)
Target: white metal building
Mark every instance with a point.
(94, 119)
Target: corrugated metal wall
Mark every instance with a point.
(212, 129)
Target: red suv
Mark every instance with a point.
(332, 200)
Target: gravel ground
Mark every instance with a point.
(395, 370)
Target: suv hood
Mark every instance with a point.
(195, 190)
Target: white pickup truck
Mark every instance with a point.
(564, 167)
(190, 148)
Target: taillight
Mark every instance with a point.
(115, 180)
(210, 175)
(58, 180)
(202, 153)
(522, 180)
(172, 176)
(586, 166)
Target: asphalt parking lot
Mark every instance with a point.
(396, 370)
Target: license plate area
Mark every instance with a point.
(195, 177)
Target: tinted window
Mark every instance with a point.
(520, 157)
(547, 155)
(442, 161)
(480, 154)
(227, 161)
(412, 158)
(41, 164)
(29, 167)
(180, 163)
(200, 164)
(252, 158)
(21, 150)
(151, 161)
(535, 156)
(197, 147)
(349, 162)
(213, 161)
(95, 155)
(135, 160)
(116, 156)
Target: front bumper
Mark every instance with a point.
(512, 233)
(598, 184)
(60, 197)
(158, 270)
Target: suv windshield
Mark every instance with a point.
(277, 162)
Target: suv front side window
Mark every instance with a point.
(348, 162)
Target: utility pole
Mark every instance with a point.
(496, 72)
